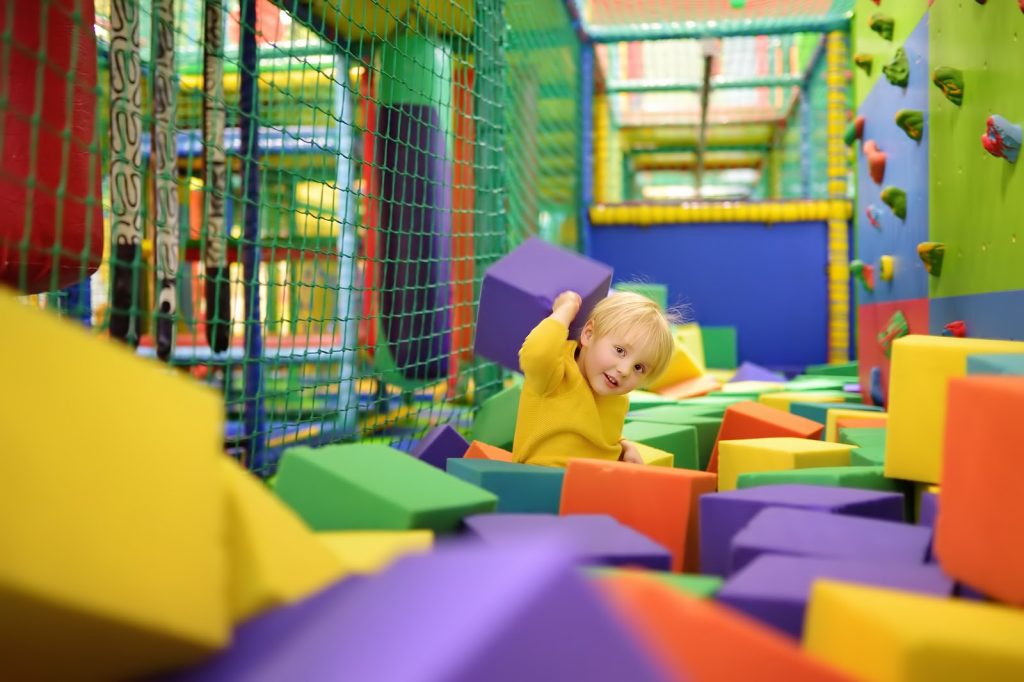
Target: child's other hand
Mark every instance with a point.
(569, 300)
(630, 452)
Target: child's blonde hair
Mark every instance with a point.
(639, 319)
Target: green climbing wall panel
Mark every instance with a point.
(905, 13)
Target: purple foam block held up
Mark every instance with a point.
(724, 514)
(798, 532)
(775, 589)
(464, 613)
(518, 291)
(597, 539)
(441, 443)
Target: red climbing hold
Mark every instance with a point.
(957, 328)
(876, 161)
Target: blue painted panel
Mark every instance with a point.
(768, 281)
(906, 168)
(996, 315)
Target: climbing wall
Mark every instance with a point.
(925, 177)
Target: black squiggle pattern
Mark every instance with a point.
(125, 164)
(218, 304)
(165, 152)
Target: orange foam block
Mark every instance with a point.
(754, 420)
(691, 388)
(659, 502)
(978, 532)
(480, 450)
(698, 639)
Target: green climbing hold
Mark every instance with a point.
(864, 62)
(863, 273)
(896, 327)
(911, 121)
(897, 71)
(896, 199)
(882, 24)
(931, 254)
(738, 4)
(951, 82)
(854, 131)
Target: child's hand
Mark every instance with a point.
(566, 306)
(630, 452)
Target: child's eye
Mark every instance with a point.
(639, 368)
(618, 349)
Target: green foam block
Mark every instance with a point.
(707, 428)
(374, 487)
(520, 488)
(863, 436)
(842, 369)
(702, 586)
(873, 455)
(819, 411)
(656, 292)
(495, 423)
(641, 400)
(867, 477)
(719, 347)
(680, 440)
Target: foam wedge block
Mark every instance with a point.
(719, 346)
(374, 487)
(681, 367)
(689, 335)
(642, 400)
(775, 589)
(833, 416)
(753, 420)
(690, 388)
(1009, 363)
(707, 426)
(864, 477)
(520, 488)
(749, 371)
(518, 290)
(112, 555)
(737, 457)
(921, 368)
(819, 411)
(751, 387)
(892, 636)
(658, 502)
(441, 443)
(781, 400)
(863, 436)
(595, 539)
(363, 552)
(723, 515)
(703, 586)
(978, 533)
(480, 450)
(481, 613)
(801, 532)
(699, 639)
(495, 421)
(653, 457)
(273, 557)
(842, 369)
(681, 441)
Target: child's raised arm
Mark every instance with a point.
(541, 354)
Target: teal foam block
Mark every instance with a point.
(1002, 363)
(680, 440)
(374, 487)
(719, 347)
(495, 423)
(520, 488)
(707, 429)
(819, 411)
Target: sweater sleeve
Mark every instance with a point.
(541, 355)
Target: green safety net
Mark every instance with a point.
(307, 236)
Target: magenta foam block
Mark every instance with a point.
(724, 514)
(748, 371)
(799, 532)
(775, 589)
(462, 613)
(442, 443)
(597, 539)
(518, 291)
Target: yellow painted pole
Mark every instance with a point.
(602, 124)
(837, 63)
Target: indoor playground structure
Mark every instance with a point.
(267, 266)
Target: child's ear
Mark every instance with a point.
(587, 335)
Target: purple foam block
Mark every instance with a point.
(748, 371)
(722, 515)
(799, 532)
(441, 443)
(518, 291)
(775, 589)
(597, 539)
(964, 591)
(463, 613)
(928, 510)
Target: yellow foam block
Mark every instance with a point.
(833, 415)
(373, 551)
(690, 337)
(112, 558)
(274, 558)
(737, 457)
(781, 400)
(722, 375)
(681, 367)
(889, 636)
(753, 387)
(920, 371)
(654, 457)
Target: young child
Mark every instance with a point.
(573, 402)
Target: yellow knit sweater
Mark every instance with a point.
(559, 415)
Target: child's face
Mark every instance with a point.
(612, 364)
